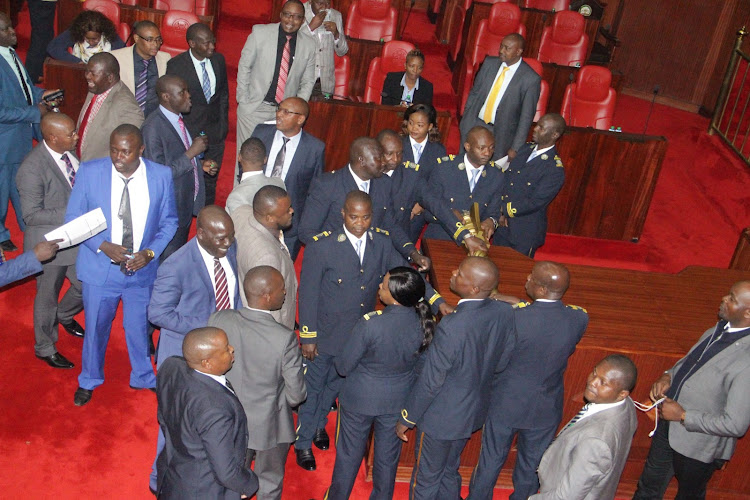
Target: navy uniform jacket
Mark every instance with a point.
(336, 290)
(449, 187)
(429, 157)
(450, 398)
(529, 392)
(326, 199)
(407, 181)
(526, 192)
(378, 361)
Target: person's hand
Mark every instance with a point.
(200, 144)
(317, 20)
(210, 167)
(488, 227)
(309, 351)
(401, 432)
(45, 250)
(512, 154)
(331, 28)
(502, 221)
(510, 299)
(416, 210)
(43, 108)
(660, 387)
(423, 262)
(474, 245)
(446, 309)
(671, 410)
(139, 261)
(54, 103)
(117, 253)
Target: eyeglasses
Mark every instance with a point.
(151, 39)
(287, 112)
(288, 15)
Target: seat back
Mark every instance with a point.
(564, 42)
(556, 5)
(173, 28)
(392, 58)
(199, 7)
(371, 20)
(541, 104)
(342, 72)
(590, 101)
(455, 21)
(111, 11)
(504, 18)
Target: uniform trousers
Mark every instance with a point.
(247, 121)
(269, 467)
(662, 463)
(496, 441)
(100, 303)
(9, 192)
(435, 475)
(47, 311)
(352, 433)
(323, 384)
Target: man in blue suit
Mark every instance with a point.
(21, 110)
(137, 199)
(293, 155)
(27, 263)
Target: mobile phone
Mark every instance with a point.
(55, 96)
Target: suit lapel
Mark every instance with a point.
(56, 172)
(167, 124)
(106, 193)
(11, 75)
(193, 76)
(200, 264)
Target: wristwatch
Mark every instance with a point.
(150, 253)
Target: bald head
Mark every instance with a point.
(264, 288)
(215, 231)
(267, 198)
(199, 344)
(366, 158)
(59, 132)
(475, 278)
(165, 84)
(107, 62)
(357, 197)
(212, 214)
(548, 280)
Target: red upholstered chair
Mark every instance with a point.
(590, 101)
(111, 10)
(371, 20)
(199, 7)
(455, 20)
(391, 59)
(556, 5)
(132, 3)
(541, 105)
(173, 28)
(342, 72)
(565, 42)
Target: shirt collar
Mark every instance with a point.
(403, 82)
(294, 137)
(140, 172)
(357, 179)
(512, 66)
(247, 175)
(412, 141)
(207, 256)
(353, 239)
(222, 379)
(195, 59)
(54, 154)
(257, 310)
(469, 164)
(469, 300)
(544, 300)
(173, 117)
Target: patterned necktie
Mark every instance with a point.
(278, 164)
(360, 252)
(220, 281)
(489, 111)
(69, 168)
(365, 187)
(474, 177)
(141, 87)
(417, 152)
(206, 82)
(229, 385)
(577, 416)
(283, 69)
(186, 142)
(126, 217)
(23, 77)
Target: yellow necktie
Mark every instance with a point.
(489, 111)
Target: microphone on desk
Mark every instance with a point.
(651, 107)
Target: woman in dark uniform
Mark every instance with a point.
(379, 363)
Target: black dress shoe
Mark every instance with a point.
(8, 246)
(82, 396)
(152, 389)
(321, 439)
(57, 360)
(74, 328)
(305, 458)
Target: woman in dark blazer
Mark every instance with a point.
(90, 32)
(404, 88)
(379, 363)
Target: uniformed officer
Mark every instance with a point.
(532, 181)
(448, 401)
(378, 362)
(527, 397)
(341, 272)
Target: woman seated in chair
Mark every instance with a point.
(90, 33)
(404, 88)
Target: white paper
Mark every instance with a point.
(503, 163)
(79, 229)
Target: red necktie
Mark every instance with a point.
(82, 127)
(222, 293)
(283, 70)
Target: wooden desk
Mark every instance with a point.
(69, 77)
(339, 122)
(361, 53)
(643, 315)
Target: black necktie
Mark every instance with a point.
(23, 77)
(127, 219)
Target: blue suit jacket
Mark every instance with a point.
(92, 190)
(22, 266)
(183, 297)
(19, 122)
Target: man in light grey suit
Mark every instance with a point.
(260, 242)
(277, 61)
(45, 180)
(503, 98)
(707, 407)
(267, 375)
(586, 458)
(252, 163)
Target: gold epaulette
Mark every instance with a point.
(411, 164)
(324, 234)
(521, 305)
(577, 308)
(378, 230)
(372, 314)
(446, 158)
(558, 162)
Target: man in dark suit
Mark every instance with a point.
(530, 184)
(504, 98)
(205, 72)
(168, 143)
(136, 197)
(295, 157)
(527, 398)
(470, 347)
(26, 264)
(267, 375)
(44, 181)
(204, 423)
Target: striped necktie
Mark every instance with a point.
(220, 282)
(141, 88)
(206, 82)
(283, 69)
(577, 416)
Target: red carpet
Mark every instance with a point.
(54, 449)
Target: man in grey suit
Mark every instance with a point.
(503, 98)
(707, 406)
(260, 242)
(267, 375)
(277, 61)
(45, 180)
(252, 162)
(587, 457)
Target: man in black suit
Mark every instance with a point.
(504, 98)
(527, 399)
(168, 142)
(293, 155)
(205, 72)
(203, 422)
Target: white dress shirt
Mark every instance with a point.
(353, 240)
(61, 163)
(209, 69)
(506, 81)
(222, 379)
(247, 175)
(594, 408)
(208, 260)
(470, 168)
(422, 145)
(291, 149)
(359, 181)
(139, 204)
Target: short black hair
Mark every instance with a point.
(253, 150)
(195, 29)
(627, 369)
